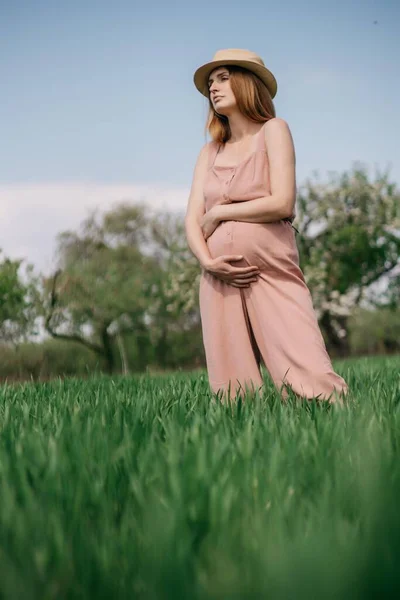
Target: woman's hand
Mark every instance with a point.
(209, 222)
(240, 277)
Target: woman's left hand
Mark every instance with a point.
(209, 223)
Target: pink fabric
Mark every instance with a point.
(273, 319)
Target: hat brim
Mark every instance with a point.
(201, 75)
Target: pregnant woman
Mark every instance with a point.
(254, 302)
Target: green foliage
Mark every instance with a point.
(349, 239)
(48, 359)
(181, 268)
(116, 278)
(357, 242)
(18, 294)
(143, 487)
(105, 276)
(375, 332)
(12, 292)
(104, 283)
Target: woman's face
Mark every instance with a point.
(221, 95)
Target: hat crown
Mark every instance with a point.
(235, 56)
(238, 54)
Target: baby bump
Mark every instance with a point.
(265, 245)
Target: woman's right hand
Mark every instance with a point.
(235, 276)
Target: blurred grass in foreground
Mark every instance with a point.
(143, 488)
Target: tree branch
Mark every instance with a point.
(378, 275)
(62, 336)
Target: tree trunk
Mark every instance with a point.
(122, 353)
(108, 350)
(162, 348)
(339, 346)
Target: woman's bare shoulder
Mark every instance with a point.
(276, 123)
(204, 153)
(277, 131)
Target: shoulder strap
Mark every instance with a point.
(213, 149)
(261, 145)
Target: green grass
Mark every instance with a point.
(142, 488)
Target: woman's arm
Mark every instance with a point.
(282, 170)
(196, 209)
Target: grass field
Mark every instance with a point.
(141, 487)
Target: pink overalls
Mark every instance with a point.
(274, 318)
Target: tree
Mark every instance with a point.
(349, 240)
(116, 278)
(375, 331)
(17, 301)
(175, 308)
(102, 287)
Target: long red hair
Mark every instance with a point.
(253, 100)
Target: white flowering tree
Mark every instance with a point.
(349, 245)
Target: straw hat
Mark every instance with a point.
(235, 56)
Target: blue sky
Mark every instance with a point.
(98, 102)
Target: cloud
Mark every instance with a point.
(31, 215)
